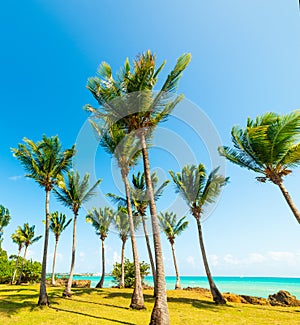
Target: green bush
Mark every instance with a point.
(129, 272)
(31, 273)
(6, 267)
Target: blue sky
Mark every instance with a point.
(245, 61)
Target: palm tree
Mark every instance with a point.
(4, 220)
(140, 201)
(19, 240)
(58, 224)
(101, 220)
(45, 163)
(199, 190)
(141, 113)
(125, 150)
(27, 234)
(122, 225)
(73, 192)
(269, 146)
(172, 228)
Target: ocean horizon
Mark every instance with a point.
(252, 286)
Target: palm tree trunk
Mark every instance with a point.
(43, 297)
(122, 282)
(100, 283)
(16, 267)
(23, 262)
(54, 261)
(217, 296)
(67, 291)
(137, 299)
(149, 252)
(177, 285)
(289, 201)
(160, 312)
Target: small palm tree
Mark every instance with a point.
(172, 228)
(199, 189)
(144, 111)
(27, 235)
(122, 224)
(140, 202)
(73, 192)
(19, 240)
(101, 220)
(58, 223)
(269, 146)
(45, 162)
(4, 220)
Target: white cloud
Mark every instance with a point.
(229, 259)
(254, 258)
(116, 257)
(290, 258)
(213, 260)
(191, 260)
(15, 178)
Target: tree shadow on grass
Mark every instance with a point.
(91, 316)
(198, 303)
(99, 303)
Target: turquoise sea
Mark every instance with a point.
(253, 286)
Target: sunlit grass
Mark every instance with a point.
(18, 305)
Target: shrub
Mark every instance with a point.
(129, 272)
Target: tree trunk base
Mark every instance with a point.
(177, 287)
(67, 294)
(43, 301)
(137, 306)
(159, 316)
(99, 285)
(218, 298)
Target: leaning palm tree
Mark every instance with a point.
(19, 240)
(269, 146)
(123, 228)
(4, 220)
(27, 233)
(101, 220)
(172, 228)
(58, 223)
(125, 149)
(73, 192)
(141, 113)
(199, 189)
(45, 162)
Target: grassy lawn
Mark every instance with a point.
(110, 306)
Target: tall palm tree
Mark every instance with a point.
(140, 202)
(125, 150)
(58, 223)
(45, 162)
(122, 225)
(141, 113)
(4, 220)
(19, 240)
(73, 192)
(172, 228)
(101, 220)
(199, 189)
(27, 233)
(269, 146)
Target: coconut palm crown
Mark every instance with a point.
(4, 220)
(269, 146)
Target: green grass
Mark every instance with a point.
(18, 305)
